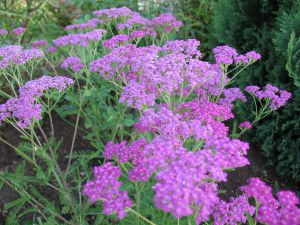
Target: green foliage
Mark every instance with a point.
(272, 28)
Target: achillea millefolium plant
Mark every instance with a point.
(155, 114)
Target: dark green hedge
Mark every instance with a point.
(273, 29)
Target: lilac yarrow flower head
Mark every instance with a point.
(91, 23)
(16, 55)
(74, 63)
(106, 188)
(26, 108)
(163, 121)
(142, 33)
(165, 22)
(137, 95)
(275, 97)
(252, 89)
(82, 39)
(187, 47)
(249, 57)
(181, 191)
(116, 41)
(261, 191)
(113, 13)
(271, 211)
(125, 153)
(209, 113)
(39, 43)
(127, 60)
(51, 49)
(224, 54)
(233, 212)
(3, 32)
(232, 151)
(287, 198)
(135, 20)
(245, 125)
(19, 30)
(231, 95)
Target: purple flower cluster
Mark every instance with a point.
(142, 33)
(91, 23)
(231, 95)
(26, 107)
(135, 20)
(165, 22)
(228, 55)
(183, 187)
(276, 98)
(224, 54)
(16, 55)
(116, 41)
(82, 39)
(188, 47)
(39, 43)
(74, 63)
(106, 188)
(271, 211)
(233, 212)
(3, 32)
(19, 30)
(113, 13)
(245, 125)
(249, 57)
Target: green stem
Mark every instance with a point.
(73, 142)
(35, 202)
(142, 217)
(68, 196)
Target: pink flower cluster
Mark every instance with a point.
(16, 55)
(106, 187)
(90, 24)
(228, 55)
(245, 125)
(74, 63)
(39, 43)
(233, 212)
(116, 41)
(282, 211)
(3, 32)
(165, 22)
(26, 107)
(277, 98)
(82, 39)
(19, 30)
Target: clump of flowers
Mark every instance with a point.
(16, 55)
(106, 187)
(74, 63)
(26, 107)
(19, 30)
(275, 97)
(165, 22)
(245, 125)
(283, 210)
(116, 41)
(39, 43)
(82, 39)
(233, 212)
(3, 32)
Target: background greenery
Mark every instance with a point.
(273, 29)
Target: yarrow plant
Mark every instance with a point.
(158, 116)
